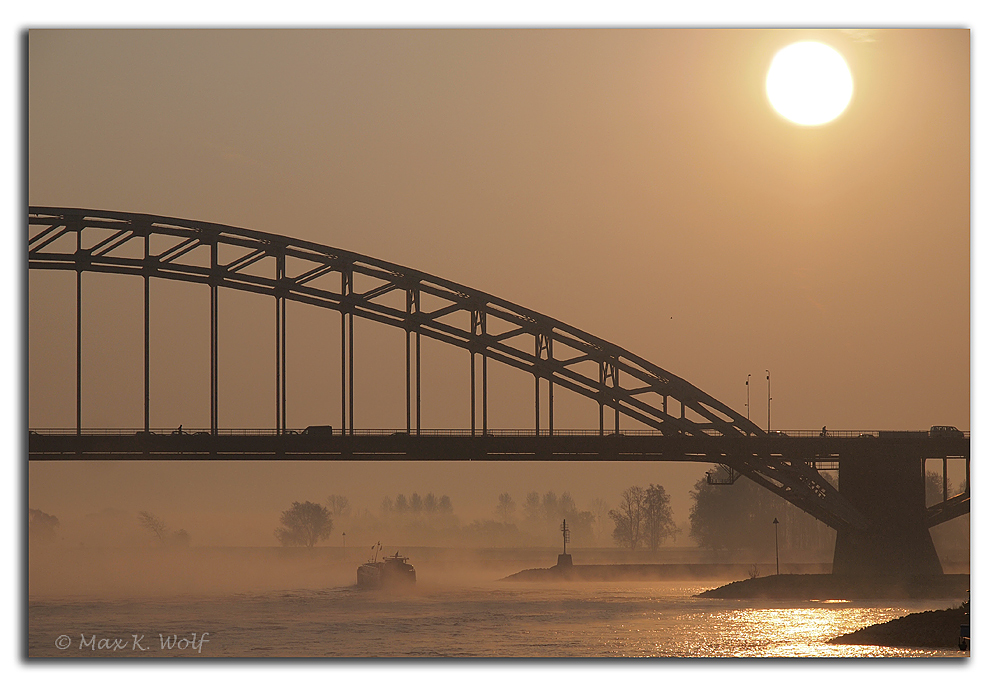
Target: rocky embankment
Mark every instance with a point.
(635, 572)
(842, 587)
(933, 629)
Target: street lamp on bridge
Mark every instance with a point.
(776, 547)
(747, 396)
(768, 400)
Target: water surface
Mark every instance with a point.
(491, 619)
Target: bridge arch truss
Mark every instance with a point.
(422, 305)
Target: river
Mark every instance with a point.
(477, 618)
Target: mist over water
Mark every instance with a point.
(475, 619)
(156, 572)
(250, 602)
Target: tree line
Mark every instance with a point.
(431, 517)
(739, 516)
(416, 505)
(730, 517)
(644, 518)
(308, 523)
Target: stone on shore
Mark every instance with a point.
(932, 629)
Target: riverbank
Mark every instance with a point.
(843, 587)
(932, 629)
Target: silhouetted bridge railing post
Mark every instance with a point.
(685, 423)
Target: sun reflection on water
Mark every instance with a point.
(788, 632)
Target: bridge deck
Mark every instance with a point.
(452, 445)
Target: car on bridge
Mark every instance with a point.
(945, 432)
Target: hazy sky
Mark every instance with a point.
(634, 183)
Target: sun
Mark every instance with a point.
(809, 83)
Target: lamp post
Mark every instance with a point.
(776, 547)
(768, 401)
(747, 396)
(344, 540)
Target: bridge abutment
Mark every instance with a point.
(889, 491)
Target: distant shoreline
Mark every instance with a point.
(648, 572)
(844, 587)
(804, 584)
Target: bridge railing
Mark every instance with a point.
(337, 432)
(795, 433)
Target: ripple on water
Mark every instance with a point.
(499, 620)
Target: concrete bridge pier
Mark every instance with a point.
(890, 491)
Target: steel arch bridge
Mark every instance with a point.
(488, 327)
(689, 423)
